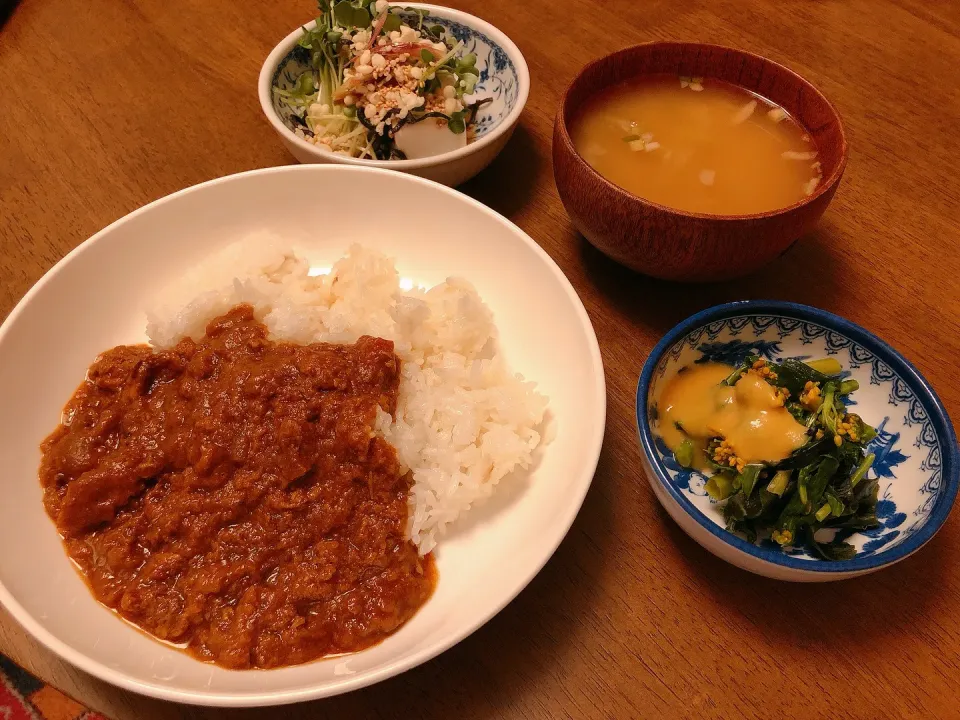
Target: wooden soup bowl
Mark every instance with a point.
(675, 244)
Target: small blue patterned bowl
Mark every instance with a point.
(917, 459)
(504, 78)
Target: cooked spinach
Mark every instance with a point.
(822, 485)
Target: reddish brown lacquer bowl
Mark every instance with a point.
(674, 244)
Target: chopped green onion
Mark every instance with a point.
(684, 454)
(862, 469)
(779, 483)
(719, 487)
(748, 478)
(827, 366)
(848, 386)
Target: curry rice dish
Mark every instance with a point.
(263, 485)
(231, 495)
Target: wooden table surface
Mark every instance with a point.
(107, 105)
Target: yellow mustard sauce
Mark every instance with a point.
(749, 415)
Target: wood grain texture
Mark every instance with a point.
(106, 105)
(672, 244)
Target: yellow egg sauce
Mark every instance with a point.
(697, 144)
(748, 415)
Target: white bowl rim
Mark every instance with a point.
(284, 697)
(904, 368)
(265, 90)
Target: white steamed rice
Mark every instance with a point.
(463, 421)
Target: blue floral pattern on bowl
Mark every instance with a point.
(915, 447)
(498, 79)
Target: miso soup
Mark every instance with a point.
(697, 144)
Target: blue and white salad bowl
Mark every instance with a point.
(503, 77)
(917, 460)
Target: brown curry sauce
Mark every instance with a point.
(230, 495)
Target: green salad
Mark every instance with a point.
(822, 484)
(376, 71)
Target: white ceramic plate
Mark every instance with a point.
(94, 299)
